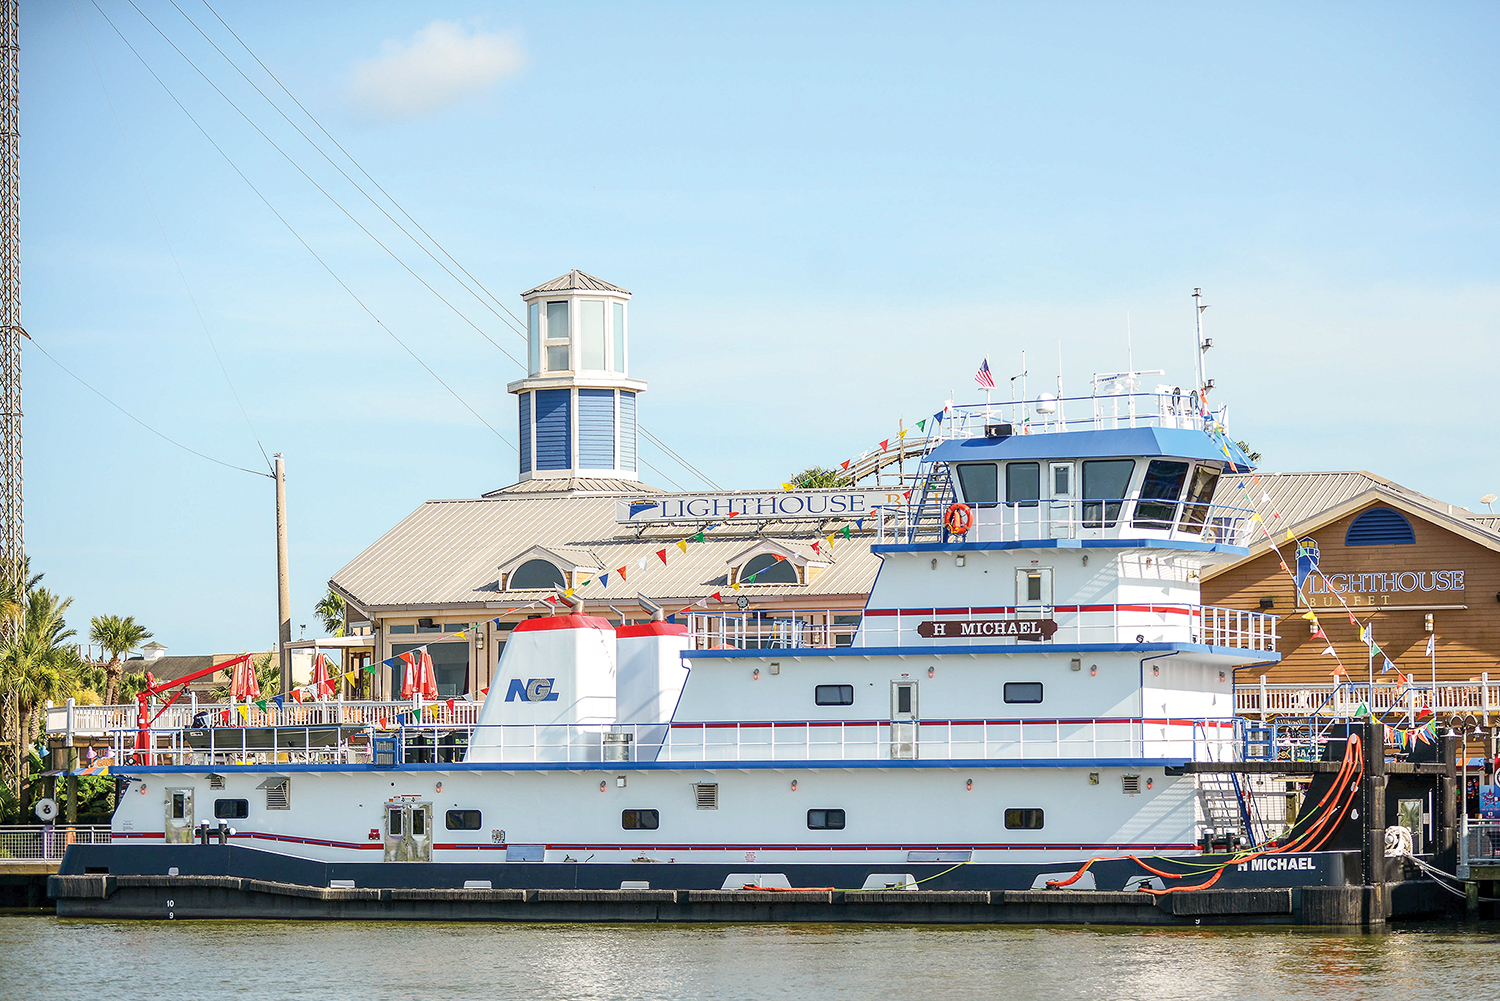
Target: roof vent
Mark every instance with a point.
(1380, 526)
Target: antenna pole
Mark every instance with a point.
(283, 581)
(1198, 366)
(12, 539)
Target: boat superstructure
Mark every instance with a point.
(1034, 682)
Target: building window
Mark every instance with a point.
(557, 337)
(825, 820)
(767, 569)
(534, 338)
(231, 809)
(980, 482)
(591, 334)
(1023, 483)
(1023, 820)
(1380, 526)
(536, 575)
(619, 365)
(1159, 492)
(403, 629)
(833, 695)
(462, 820)
(1024, 692)
(640, 820)
(450, 666)
(1105, 483)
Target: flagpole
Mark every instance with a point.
(1432, 645)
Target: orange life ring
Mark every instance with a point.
(959, 519)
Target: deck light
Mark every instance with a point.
(960, 561)
(794, 785)
(1093, 670)
(439, 787)
(931, 671)
(969, 786)
(603, 786)
(755, 674)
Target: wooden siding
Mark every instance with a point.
(1468, 640)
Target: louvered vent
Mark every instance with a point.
(707, 794)
(278, 794)
(216, 781)
(1130, 785)
(1380, 526)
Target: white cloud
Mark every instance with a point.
(440, 66)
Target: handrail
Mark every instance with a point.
(1262, 700)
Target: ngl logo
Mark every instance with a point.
(532, 690)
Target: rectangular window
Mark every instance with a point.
(1024, 692)
(534, 339)
(1159, 492)
(591, 334)
(1199, 496)
(231, 809)
(1023, 820)
(557, 337)
(179, 806)
(903, 701)
(462, 820)
(450, 666)
(455, 627)
(619, 365)
(833, 695)
(1033, 586)
(419, 822)
(979, 481)
(1062, 477)
(1023, 483)
(1105, 483)
(393, 821)
(640, 820)
(429, 629)
(825, 820)
(403, 629)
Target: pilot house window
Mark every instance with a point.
(1159, 492)
(1023, 483)
(979, 481)
(1105, 483)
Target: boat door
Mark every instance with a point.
(903, 719)
(1034, 592)
(179, 829)
(1062, 509)
(408, 831)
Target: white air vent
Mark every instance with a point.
(278, 793)
(1130, 785)
(707, 795)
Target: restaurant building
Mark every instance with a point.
(1404, 566)
(579, 514)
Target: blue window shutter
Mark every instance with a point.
(525, 399)
(627, 431)
(1380, 526)
(554, 428)
(596, 428)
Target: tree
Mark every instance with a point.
(118, 636)
(331, 611)
(37, 665)
(1252, 456)
(814, 477)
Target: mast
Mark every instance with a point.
(12, 541)
(1200, 347)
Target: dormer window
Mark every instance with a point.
(536, 575)
(557, 336)
(767, 569)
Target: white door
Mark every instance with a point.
(1062, 508)
(179, 829)
(903, 719)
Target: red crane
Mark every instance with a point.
(143, 720)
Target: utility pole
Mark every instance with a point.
(12, 541)
(283, 581)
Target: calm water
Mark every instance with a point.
(159, 961)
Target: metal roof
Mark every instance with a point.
(562, 486)
(1147, 441)
(575, 279)
(448, 552)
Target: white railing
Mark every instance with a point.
(1076, 624)
(1478, 699)
(95, 721)
(47, 841)
(833, 740)
(1478, 844)
(1071, 518)
(832, 627)
(1100, 412)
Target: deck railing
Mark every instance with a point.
(95, 721)
(1074, 518)
(831, 740)
(47, 841)
(1478, 699)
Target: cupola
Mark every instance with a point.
(577, 402)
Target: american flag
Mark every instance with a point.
(983, 376)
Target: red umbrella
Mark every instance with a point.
(243, 684)
(320, 683)
(428, 677)
(408, 676)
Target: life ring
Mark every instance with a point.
(959, 519)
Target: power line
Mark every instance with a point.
(173, 441)
(140, 176)
(298, 236)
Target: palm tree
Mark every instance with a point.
(331, 611)
(118, 636)
(37, 664)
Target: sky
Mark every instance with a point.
(828, 214)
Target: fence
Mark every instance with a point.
(1478, 844)
(28, 843)
(1343, 700)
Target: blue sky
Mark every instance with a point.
(827, 213)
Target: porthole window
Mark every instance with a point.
(1023, 820)
(833, 695)
(640, 820)
(1024, 692)
(536, 575)
(825, 820)
(767, 569)
(231, 809)
(462, 820)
